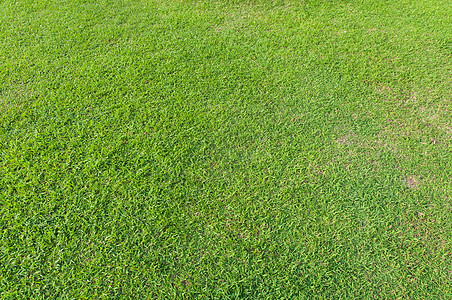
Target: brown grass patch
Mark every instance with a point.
(15, 96)
(413, 182)
(346, 140)
(237, 19)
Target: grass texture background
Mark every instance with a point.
(230, 150)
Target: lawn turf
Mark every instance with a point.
(225, 149)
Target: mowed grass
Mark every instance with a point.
(226, 150)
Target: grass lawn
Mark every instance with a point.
(226, 149)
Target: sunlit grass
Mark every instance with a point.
(274, 150)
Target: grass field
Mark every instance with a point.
(226, 149)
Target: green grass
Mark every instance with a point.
(228, 150)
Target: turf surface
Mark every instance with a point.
(233, 150)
